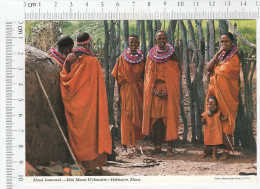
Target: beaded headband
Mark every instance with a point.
(84, 42)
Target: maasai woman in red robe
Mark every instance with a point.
(128, 72)
(224, 85)
(161, 94)
(85, 102)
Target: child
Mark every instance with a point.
(213, 134)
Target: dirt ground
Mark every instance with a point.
(186, 161)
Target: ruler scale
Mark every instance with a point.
(140, 10)
(12, 71)
(14, 111)
(9, 139)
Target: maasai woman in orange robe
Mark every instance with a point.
(224, 85)
(213, 134)
(128, 72)
(64, 47)
(85, 102)
(161, 94)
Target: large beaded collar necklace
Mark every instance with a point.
(56, 55)
(160, 56)
(228, 54)
(82, 50)
(133, 58)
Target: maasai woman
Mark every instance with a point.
(161, 94)
(85, 102)
(64, 47)
(224, 85)
(128, 72)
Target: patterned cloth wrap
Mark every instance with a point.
(57, 56)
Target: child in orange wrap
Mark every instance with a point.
(213, 134)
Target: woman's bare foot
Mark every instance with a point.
(169, 152)
(203, 155)
(157, 150)
(214, 157)
(225, 156)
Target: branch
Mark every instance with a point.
(240, 36)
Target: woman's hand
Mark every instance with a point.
(219, 51)
(213, 61)
(203, 120)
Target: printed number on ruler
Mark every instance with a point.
(127, 10)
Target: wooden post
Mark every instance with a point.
(150, 33)
(126, 33)
(212, 48)
(143, 41)
(178, 49)
(194, 83)
(223, 27)
(187, 74)
(106, 57)
(118, 52)
(138, 28)
(112, 51)
(171, 31)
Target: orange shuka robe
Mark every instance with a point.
(213, 134)
(224, 85)
(168, 108)
(129, 76)
(85, 103)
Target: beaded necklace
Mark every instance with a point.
(160, 56)
(228, 55)
(57, 56)
(82, 50)
(133, 58)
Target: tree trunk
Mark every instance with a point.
(194, 84)
(138, 28)
(157, 25)
(240, 36)
(171, 31)
(207, 59)
(126, 33)
(118, 39)
(199, 81)
(187, 74)
(178, 49)
(212, 48)
(112, 51)
(223, 27)
(44, 142)
(235, 37)
(200, 68)
(243, 130)
(106, 57)
(143, 43)
(150, 33)
(118, 52)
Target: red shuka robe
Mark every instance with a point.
(85, 102)
(168, 108)
(129, 76)
(224, 85)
